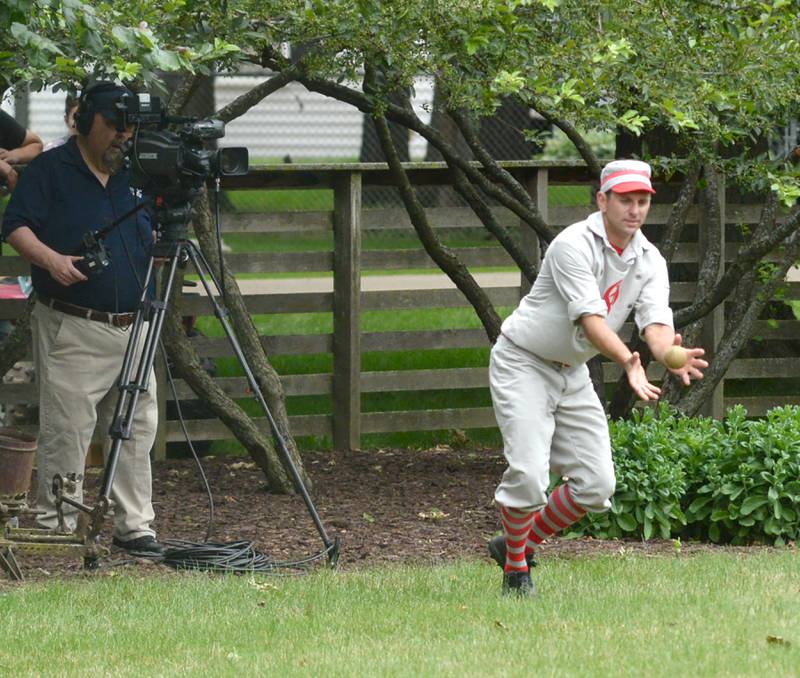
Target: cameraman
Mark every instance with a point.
(17, 146)
(81, 323)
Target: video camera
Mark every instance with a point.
(173, 163)
(170, 166)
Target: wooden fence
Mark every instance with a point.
(348, 222)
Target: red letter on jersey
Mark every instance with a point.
(611, 295)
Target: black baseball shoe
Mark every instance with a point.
(145, 547)
(518, 584)
(497, 551)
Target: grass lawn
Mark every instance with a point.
(716, 614)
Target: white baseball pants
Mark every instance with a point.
(551, 420)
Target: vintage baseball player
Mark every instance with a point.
(595, 273)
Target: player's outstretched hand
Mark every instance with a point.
(637, 378)
(692, 368)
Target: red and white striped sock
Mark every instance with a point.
(516, 526)
(560, 512)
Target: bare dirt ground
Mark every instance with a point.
(386, 506)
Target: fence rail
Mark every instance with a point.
(346, 224)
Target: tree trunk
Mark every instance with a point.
(441, 254)
(261, 448)
(383, 196)
(441, 196)
(186, 364)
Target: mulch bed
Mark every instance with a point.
(386, 506)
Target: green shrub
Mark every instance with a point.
(747, 487)
(736, 480)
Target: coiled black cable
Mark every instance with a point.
(235, 557)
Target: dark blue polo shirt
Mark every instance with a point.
(59, 199)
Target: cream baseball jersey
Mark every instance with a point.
(582, 274)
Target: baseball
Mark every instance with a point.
(676, 357)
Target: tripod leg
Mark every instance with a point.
(203, 270)
(129, 387)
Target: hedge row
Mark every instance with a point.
(735, 481)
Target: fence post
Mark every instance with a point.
(347, 312)
(536, 185)
(714, 326)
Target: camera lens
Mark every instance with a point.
(232, 161)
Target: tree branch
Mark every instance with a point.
(406, 116)
(246, 101)
(504, 237)
(581, 145)
(757, 249)
(739, 327)
(712, 254)
(668, 243)
(496, 172)
(184, 91)
(442, 255)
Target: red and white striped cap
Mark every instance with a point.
(626, 176)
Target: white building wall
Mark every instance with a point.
(302, 124)
(290, 122)
(46, 114)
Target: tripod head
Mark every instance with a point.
(172, 213)
(172, 216)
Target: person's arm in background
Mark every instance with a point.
(17, 145)
(30, 147)
(25, 213)
(8, 175)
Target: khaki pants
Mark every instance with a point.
(551, 420)
(78, 363)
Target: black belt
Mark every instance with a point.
(116, 319)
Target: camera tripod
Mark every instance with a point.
(176, 249)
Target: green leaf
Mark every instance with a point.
(752, 503)
(698, 503)
(719, 514)
(627, 522)
(167, 60)
(125, 37)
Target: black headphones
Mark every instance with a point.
(84, 116)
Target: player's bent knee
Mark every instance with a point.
(596, 498)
